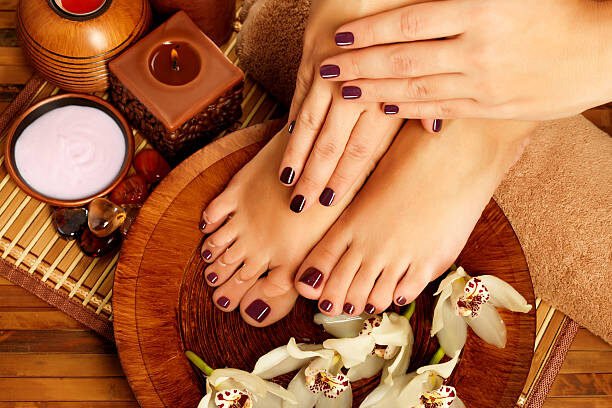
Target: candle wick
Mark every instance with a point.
(174, 56)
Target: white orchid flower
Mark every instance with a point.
(465, 300)
(232, 388)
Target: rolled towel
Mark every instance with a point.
(558, 197)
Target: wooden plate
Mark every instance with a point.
(162, 305)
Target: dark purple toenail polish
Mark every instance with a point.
(370, 309)
(351, 92)
(287, 175)
(344, 39)
(326, 305)
(212, 277)
(202, 225)
(400, 301)
(437, 125)
(206, 255)
(297, 204)
(223, 302)
(329, 71)
(391, 109)
(291, 127)
(348, 308)
(327, 197)
(258, 310)
(312, 277)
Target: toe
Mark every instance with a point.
(412, 284)
(360, 289)
(270, 299)
(230, 293)
(216, 244)
(217, 211)
(333, 297)
(381, 296)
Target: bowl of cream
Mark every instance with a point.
(69, 149)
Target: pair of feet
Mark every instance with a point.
(380, 245)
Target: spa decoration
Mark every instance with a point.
(70, 222)
(70, 42)
(104, 217)
(151, 165)
(94, 246)
(471, 301)
(177, 88)
(132, 190)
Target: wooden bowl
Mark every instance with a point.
(162, 306)
(46, 105)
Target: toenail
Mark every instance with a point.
(212, 277)
(223, 302)
(326, 305)
(391, 109)
(400, 301)
(202, 225)
(344, 38)
(370, 308)
(329, 71)
(291, 127)
(297, 204)
(327, 197)
(351, 92)
(348, 308)
(437, 125)
(258, 310)
(206, 255)
(287, 175)
(312, 277)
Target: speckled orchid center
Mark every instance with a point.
(323, 381)
(385, 352)
(475, 294)
(443, 397)
(233, 399)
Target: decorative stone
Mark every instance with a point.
(94, 246)
(70, 222)
(151, 165)
(104, 217)
(132, 190)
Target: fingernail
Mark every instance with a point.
(437, 125)
(223, 302)
(312, 277)
(206, 255)
(258, 310)
(212, 277)
(202, 225)
(327, 197)
(297, 204)
(329, 71)
(326, 305)
(287, 175)
(351, 92)
(345, 38)
(400, 301)
(348, 308)
(391, 109)
(370, 309)
(291, 126)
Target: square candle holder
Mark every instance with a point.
(176, 87)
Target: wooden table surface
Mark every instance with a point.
(47, 359)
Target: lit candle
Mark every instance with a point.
(80, 7)
(175, 63)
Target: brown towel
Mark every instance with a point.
(558, 197)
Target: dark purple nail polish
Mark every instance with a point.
(326, 305)
(206, 255)
(223, 302)
(348, 308)
(345, 38)
(370, 309)
(312, 277)
(212, 277)
(297, 204)
(400, 301)
(202, 225)
(327, 197)
(258, 310)
(329, 71)
(391, 109)
(291, 127)
(287, 175)
(351, 92)
(437, 125)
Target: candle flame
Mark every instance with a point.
(174, 56)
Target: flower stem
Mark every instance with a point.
(410, 311)
(198, 362)
(437, 357)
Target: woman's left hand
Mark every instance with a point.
(518, 59)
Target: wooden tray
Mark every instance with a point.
(162, 306)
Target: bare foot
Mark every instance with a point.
(413, 216)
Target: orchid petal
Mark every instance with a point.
(344, 400)
(280, 361)
(269, 401)
(206, 402)
(249, 381)
(410, 394)
(369, 368)
(341, 326)
(353, 350)
(449, 279)
(444, 370)
(504, 295)
(453, 334)
(307, 351)
(438, 322)
(299, 388)
(280, 392)
(385, 395)
(457, 403)
(394, 330)
(489, 326)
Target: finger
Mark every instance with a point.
(407, 60)
(325, 155)
(416, 22)
(432, 125)
(307, 127)
(303, 83)
(445, 109)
